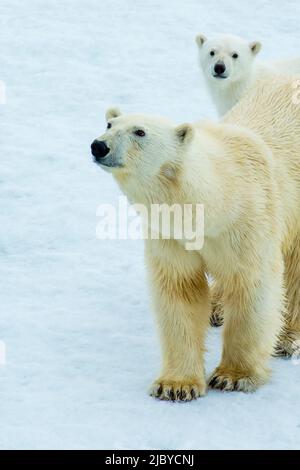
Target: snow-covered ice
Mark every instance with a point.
(81, 346)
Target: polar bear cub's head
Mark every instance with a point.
(226, 58)
(140, 146)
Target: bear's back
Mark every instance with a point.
(271, 109)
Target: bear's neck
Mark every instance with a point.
(227, 96)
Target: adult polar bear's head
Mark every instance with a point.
(141, 147)
(226, 58)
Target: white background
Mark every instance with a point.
(74, 311)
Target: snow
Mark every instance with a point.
(81, 345)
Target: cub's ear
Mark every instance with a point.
(200, 39)
(112, 113)
(255, 47)
(184, 132)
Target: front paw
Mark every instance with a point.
(288, 345)
(177, 390)
(216, 319)
(217, 306)
(230, 380)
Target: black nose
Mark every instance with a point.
(99, 149)
(220, 68)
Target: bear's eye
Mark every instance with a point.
(235, 55)
(108, 125)
(140, 133)
(212, 53)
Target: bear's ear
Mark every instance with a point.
(184, 132)
(255, 47)
(200, 39)
(112, 113)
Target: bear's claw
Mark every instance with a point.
(216, 319)
(288, 346)
(227, 383)
(176, 391)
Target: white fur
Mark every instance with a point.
(241, 73)
(245, 171)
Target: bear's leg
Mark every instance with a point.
(181, 298)
(289, 341)
(253, 321)
(217, 305)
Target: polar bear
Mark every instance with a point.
(246, 172)
(230, 67)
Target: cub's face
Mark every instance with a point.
(136, 145)
(226, 59)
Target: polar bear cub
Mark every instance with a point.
(230, 67)
(246, 172)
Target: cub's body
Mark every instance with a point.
(230, 68)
